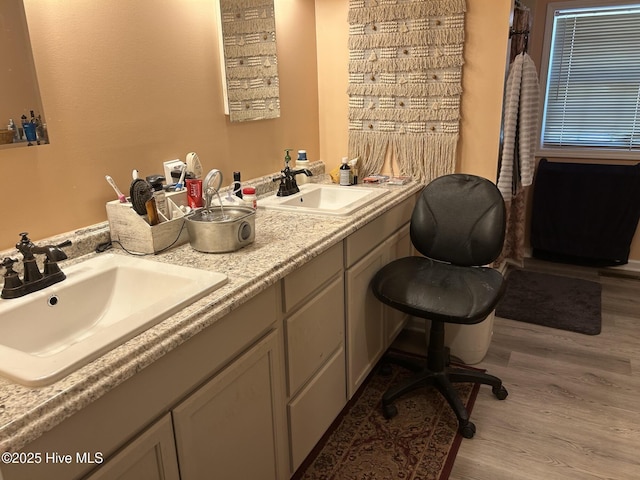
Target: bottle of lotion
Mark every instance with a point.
(345, 172)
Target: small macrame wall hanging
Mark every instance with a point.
(405, 83)
(251, 63)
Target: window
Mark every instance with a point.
(592, 94)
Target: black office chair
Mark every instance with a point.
(458, 224)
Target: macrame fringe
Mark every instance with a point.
(255, 26)
(237, 5)
(254, 114)
(254, 50)
(251, 72)
(260, 93)
(406, 90)
(424, 157)
(443, 36)
(387, 65)
(405, 115)
(361, 13)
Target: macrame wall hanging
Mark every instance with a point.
(251, 63)
(405, 71)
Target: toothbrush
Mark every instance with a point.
(121, 197)
(180, 183)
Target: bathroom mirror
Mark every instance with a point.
(21, 103)
(250, 70)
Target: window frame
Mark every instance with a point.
(573, 152)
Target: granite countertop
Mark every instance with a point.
(283, 243)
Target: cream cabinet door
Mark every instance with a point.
(365, 319)
(232, 427)
(151, 456)
(371, 325)
(399, 246)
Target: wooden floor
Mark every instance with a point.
(573, 410)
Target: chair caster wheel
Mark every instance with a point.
(389, 411)
(468, 430)
(500, 392)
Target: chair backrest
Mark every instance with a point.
(459, 219)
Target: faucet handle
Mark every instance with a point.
(11, 280)
(7, 263)
(24, 246)
(25, 240)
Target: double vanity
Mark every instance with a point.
(241, 380)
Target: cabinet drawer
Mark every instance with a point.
(309, 278)
(315, 408)
(368, 237)
(313, 333)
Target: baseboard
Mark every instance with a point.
(632, 266)
(629, 270)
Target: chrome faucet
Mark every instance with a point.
(32, 279)
(288, 185)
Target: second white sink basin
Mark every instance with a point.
(105, 301)
(324, 199)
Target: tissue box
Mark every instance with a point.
(136, 235)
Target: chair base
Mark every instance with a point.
(443, 380)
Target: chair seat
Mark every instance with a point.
(438, 291)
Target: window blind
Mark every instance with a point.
(592, 98)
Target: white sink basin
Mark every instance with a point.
(324, 199)
(105, 301)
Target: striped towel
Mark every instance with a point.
(520, 116)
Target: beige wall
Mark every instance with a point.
(483, 75)
(131, 84)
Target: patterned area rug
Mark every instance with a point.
(420, 443)
(553, 301)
